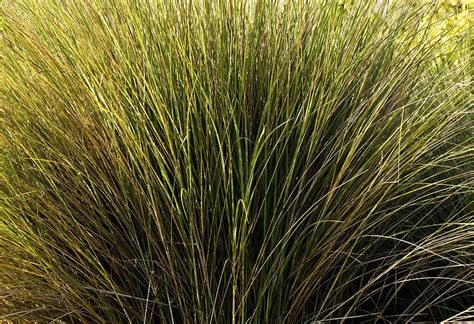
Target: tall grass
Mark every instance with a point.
(233, 162)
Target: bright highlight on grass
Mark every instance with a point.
(234, 162)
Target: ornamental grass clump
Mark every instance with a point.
(233, 162)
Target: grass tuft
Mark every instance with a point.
(234, 161)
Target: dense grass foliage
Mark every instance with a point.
(233, 162)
